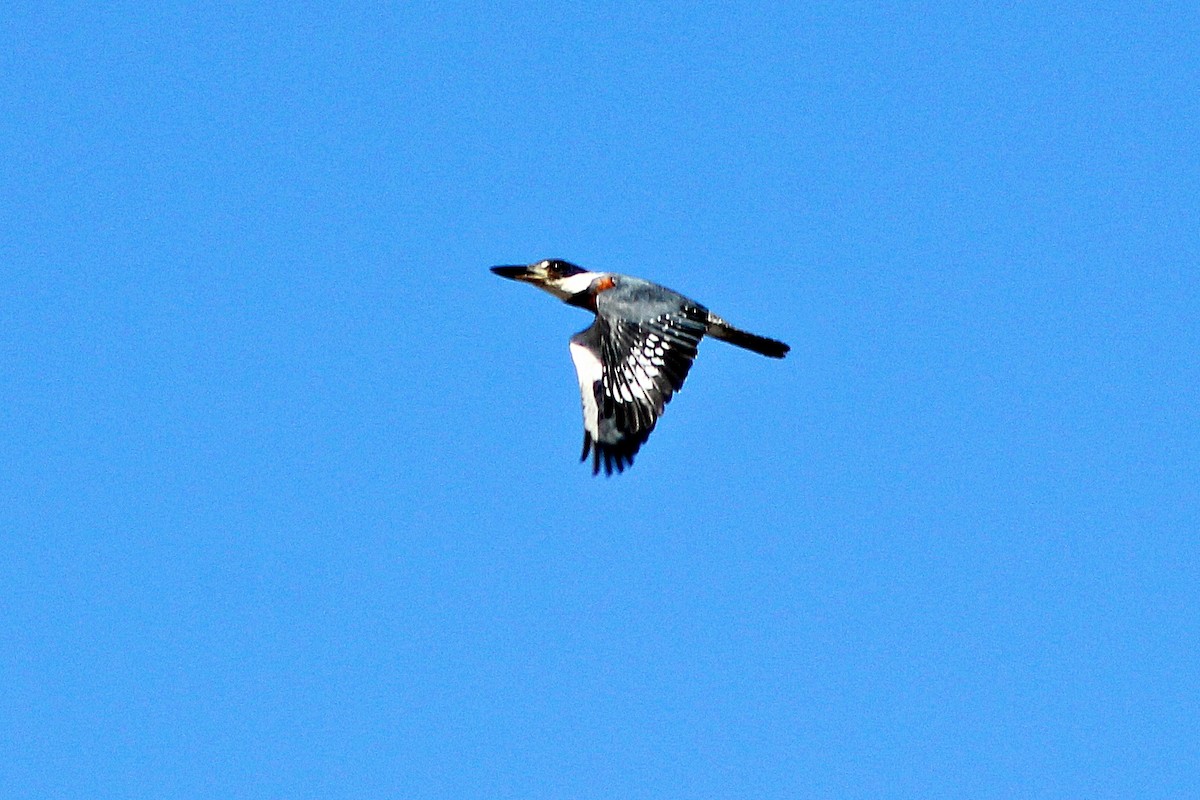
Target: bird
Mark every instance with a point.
(634, 356)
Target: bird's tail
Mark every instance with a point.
(720, 329)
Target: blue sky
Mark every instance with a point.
(293, 506)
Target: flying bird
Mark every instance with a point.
(636, 354)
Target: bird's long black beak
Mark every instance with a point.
(514, 273)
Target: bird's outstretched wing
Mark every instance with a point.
(628, 371)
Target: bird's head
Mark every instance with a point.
(560, 278)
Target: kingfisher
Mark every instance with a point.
(634, 356)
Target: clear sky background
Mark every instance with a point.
(291, 499)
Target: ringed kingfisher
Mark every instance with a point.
(636, 354)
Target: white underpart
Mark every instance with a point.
(589, 370)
